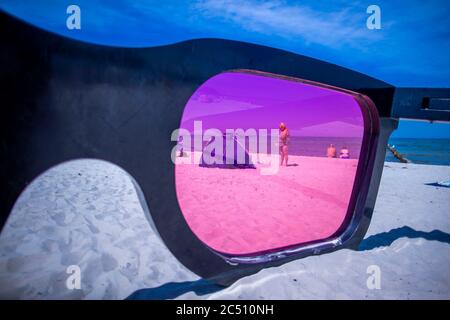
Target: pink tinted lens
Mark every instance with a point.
(234, 208)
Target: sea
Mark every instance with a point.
(317, 146)
(421, 151)
(313, 146)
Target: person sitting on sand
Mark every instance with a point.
(180, 148)
(284, 139)
(182, 153)
(331, 151)
(344, 154)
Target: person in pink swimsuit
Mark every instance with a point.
(331, 151)
(284, 140)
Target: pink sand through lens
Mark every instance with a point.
(241, 211)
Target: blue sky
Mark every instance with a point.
(411, 49)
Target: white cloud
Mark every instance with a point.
(291, 21)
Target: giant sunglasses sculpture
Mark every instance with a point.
(65, 100)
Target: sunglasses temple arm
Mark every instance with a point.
(432, 104)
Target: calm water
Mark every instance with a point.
(317, 146)
(423, 151)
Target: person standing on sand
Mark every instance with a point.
(331, 151)
(284, 139)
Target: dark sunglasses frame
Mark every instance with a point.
(64, 100)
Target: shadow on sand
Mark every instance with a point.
(292, 165)
(172, 290)
(387, 238)
(201, 287)
(438, 184)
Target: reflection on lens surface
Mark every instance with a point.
(236, 208)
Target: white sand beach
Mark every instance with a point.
(245, 211)
(87, 213)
